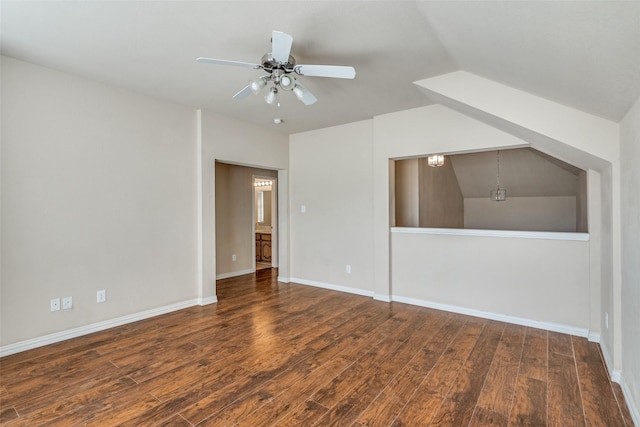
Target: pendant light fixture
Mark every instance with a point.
(498, 194)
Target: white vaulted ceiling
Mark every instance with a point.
(584, 55)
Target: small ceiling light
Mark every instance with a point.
(498, 194)
(277, 120)
(272, 97)
(435, 160)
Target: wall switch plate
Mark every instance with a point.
(234, 257)
(67, 303)
(303, 208)
(606, 320)
(101, 296)
(348, 269)
(55, 304)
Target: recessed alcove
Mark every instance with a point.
(543, 193)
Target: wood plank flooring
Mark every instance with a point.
(270, 353)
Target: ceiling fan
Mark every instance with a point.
(279, 65)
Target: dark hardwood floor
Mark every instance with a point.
(280, 354)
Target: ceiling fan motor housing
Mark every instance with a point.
(270, 64)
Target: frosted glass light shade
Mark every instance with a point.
(287, 82)
(498, 194)
(299, 93)
(272, 97)
(257, 85)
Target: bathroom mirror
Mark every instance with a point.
(263, 207)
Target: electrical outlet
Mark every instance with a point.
(348, 269)
(234, 257)
(67, 303)
(55, 304)
(101, 296)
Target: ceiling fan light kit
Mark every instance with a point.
(280, 64)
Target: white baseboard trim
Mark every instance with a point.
(549, 326)
(207, 300)
(594, 337)
(631, 404)
(234, 274)
(616, 377)
(332, 287)
(6, 350)
(613, 373)
(283, 279)
(380, 297)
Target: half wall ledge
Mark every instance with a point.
(547, 235)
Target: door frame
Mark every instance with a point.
(274, 218)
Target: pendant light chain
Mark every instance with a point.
(498, 194)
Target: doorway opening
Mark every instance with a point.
(265, 222)
(236, 220)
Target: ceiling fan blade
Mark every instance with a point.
(304, 95)
(336, 71)
(281, 46)
(225, 62)
(243, 93)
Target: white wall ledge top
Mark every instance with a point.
(548, 235)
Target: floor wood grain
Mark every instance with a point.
(271, 353)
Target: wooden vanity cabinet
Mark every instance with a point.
(263, 247)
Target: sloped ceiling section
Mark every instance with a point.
(524, 172)
(580, 54)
